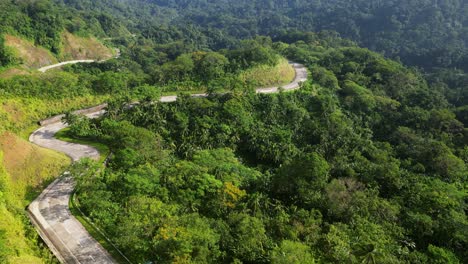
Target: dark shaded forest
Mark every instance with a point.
(429, 34)
(425, 33)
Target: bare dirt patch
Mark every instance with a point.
(78, 48)
(31, 56)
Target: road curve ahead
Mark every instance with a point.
(301, 76)
(61, 231)
(46, 68)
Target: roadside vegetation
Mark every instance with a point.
(25, 170)
(338, 171)
(268, 76)
(366, 163)
(32, 97)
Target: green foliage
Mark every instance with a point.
(47, 23)
(3, 181)
(352, 168)
(6, 55)
(247, 239)
(305, 177)
(365, 164)
(3, 248)
(440, 255)
(211, 65)
(292, 252)
(325, 78)
(424, 33)
(189, 238)
(49, 86)
(80, 126)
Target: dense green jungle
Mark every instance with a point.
(365, 163)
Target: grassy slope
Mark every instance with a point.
(75, 48)
(20, 115)
(264, 76)
(32, 57)
(26, 169)
(29, 166)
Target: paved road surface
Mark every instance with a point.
(46, 68)
(301, 76)
(65, 235)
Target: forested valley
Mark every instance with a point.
(351, 168)
(365, 163)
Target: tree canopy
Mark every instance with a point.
(350, 168)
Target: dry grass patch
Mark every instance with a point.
(14, 111)
(26, 169)
(75, 48)
(31, 56)
(20, 115)
(265, 76)
(29, 166)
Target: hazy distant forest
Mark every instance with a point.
(366, 163)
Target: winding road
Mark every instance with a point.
(50, 213)
(46, 68)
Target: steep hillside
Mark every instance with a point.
(28, 166)
(31, 56)
(28, 54)
(76, 48)
(42, 31)
(25, 170)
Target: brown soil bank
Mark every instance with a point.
(73, 48)
(30, 55)
(78, 48)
